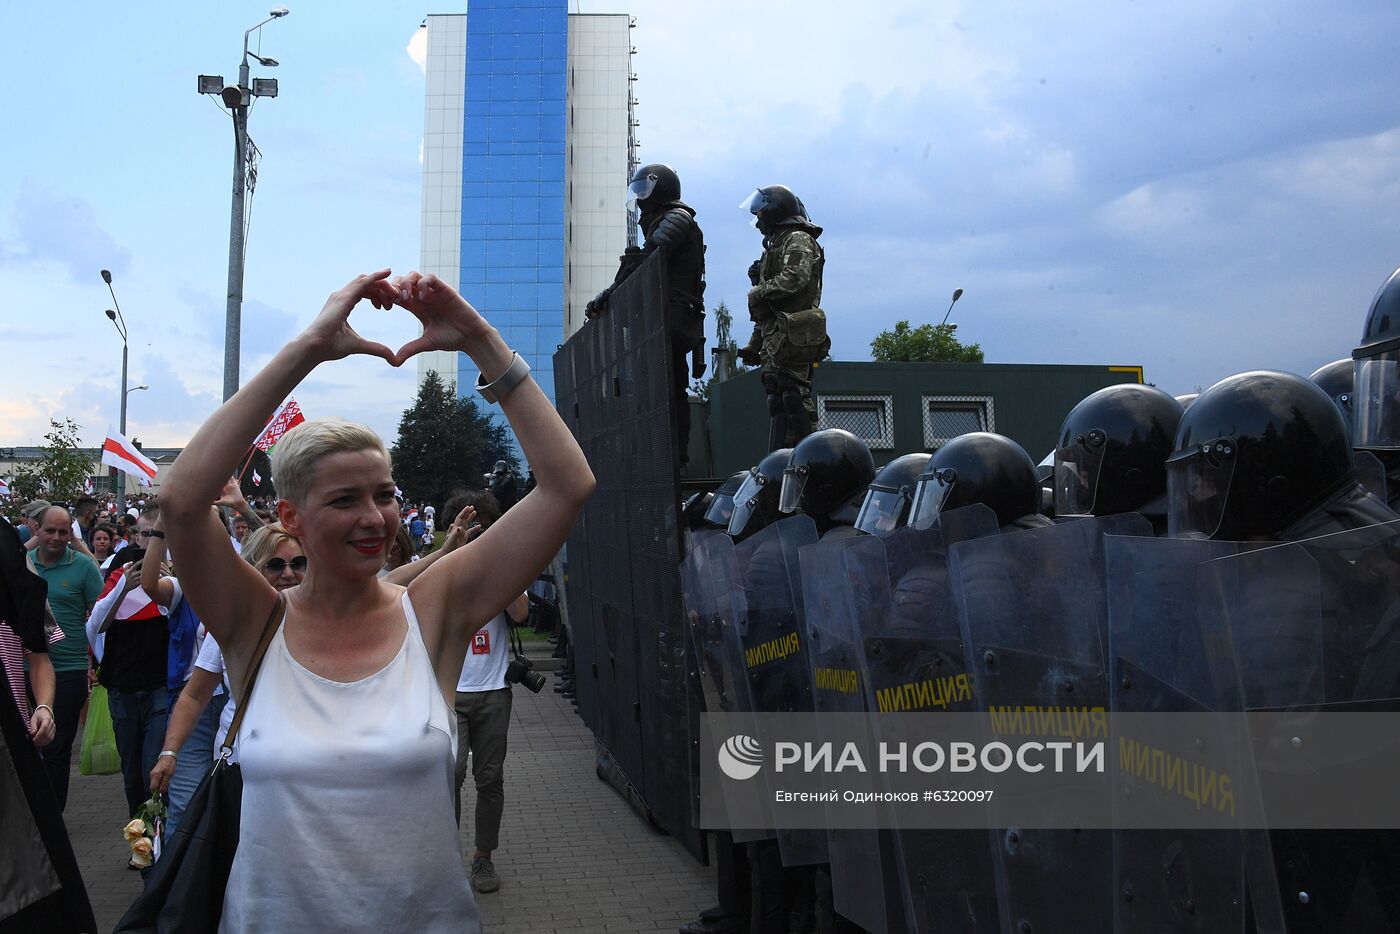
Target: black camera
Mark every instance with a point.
(519, 672)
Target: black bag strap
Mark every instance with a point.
(274, 620)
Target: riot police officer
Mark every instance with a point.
(669, 226)
(980, 467)
(756, 501)
(1112, 454)
(1376, 398)
(1338, 380)
(789, 334)
(887, 504)
(827, 477)
(1265, 456)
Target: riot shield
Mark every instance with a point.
(1315, 627)
(1034, 621)
(709, 590)
(842, 582)
(912, 660)
(1370, 473)
(1160, 650)
(774, 644)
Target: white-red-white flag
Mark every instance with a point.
(286, 418)
(4, 488)
(122, 454)
(257, 480)
(87, 485)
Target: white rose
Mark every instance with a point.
(142, 852)
(134, 830)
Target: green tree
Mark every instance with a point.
(724, 340)
(446, 443)
(927, 343)
(60, 471)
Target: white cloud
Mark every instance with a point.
(417, 48)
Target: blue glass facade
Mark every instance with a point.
(513, 164)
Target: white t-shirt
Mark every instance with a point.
(484, 668)
(429, 511)
(211, 659)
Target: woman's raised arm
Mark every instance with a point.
(211, 572)
(466, 588)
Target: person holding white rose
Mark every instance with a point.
(349, 732)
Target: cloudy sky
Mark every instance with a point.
(1196, 187)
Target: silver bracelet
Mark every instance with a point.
(39, 707)
(168, 752)
(500, 387)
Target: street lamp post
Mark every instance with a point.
(238, 98)
(118, 322)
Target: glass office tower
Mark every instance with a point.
(526, 154)
(512, 253)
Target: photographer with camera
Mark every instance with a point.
(483, 707)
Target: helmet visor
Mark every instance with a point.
(930, 495)
(720, 511)
(882, 511)
(753, 204)
(794, 482)
(640, 189)
(746, 501)
(1377, 402)
(1198, 485)
(1077, 470)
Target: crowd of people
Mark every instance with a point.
(380, 642)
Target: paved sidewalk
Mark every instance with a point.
(574, 857)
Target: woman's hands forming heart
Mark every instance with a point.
(449, 321)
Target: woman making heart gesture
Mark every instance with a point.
(348, 742)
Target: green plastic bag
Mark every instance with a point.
(99, 754)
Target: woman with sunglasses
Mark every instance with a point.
(279, 558)
(358, 669)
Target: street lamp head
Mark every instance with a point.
(265, 61)
(110, 313)
(107, 276)
(142, 386)
(278, 12)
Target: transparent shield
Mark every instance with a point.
(1377, 401)
(841, 580)
(1315, 627)
(1370, 473)
(773, 639)
(713, 607)
(1198, 484)
(1159, 662)
(910, 636)
(1033, 616)
(1077, 479)
(721, 510)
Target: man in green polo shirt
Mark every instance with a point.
(74, 585)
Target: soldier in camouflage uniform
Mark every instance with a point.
(789, 334)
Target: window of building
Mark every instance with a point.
(946, 417)
(869, 418)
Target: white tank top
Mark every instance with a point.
(347, 817)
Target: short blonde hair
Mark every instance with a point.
(294, 459)
(261, 544)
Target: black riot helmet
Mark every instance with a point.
(1376, 399)
(756, 502)
(774, 205)
(1187, 398)
(891, 494)
(1112, 452)
(978, 467)
(827, 477)
(654, 184)
(722, 506)
(1256, 452)
(1338, 380)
